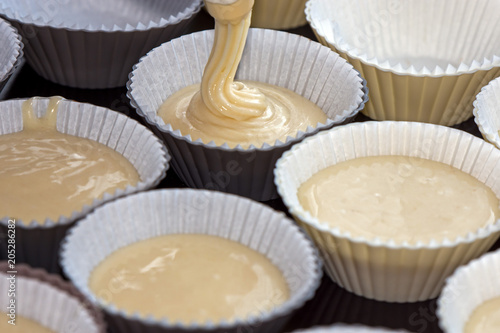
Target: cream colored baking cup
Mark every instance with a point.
(270, 56)
(390, 270)
(38, 244)
(48, 300)
(278, 14)
(487, 112)
(93, 43)
(341, 328)
(162, 212)
(466, 289)
(11, 52)
(419, 65)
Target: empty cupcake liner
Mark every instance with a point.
(419, 66)
(388, 270)
(38, 244)
(313, 71)
(487, 112)
(48, 300)
(278, 14)
(466, 289)
(90, 44)
(341, 328)
(11, 52)
(162, 212)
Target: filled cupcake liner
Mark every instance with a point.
(389, 270)
(416, 70)
(162, 212)
(38, 244)
(466, 289)
(11, 52)
(278, 14)
(48, 300)
(314, 72)
(342, 328)
(66, 49)
(487, 112)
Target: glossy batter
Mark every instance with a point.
(189, 277)
(485, 318)
(23, 325)
(236, 112)
(399, 198)
(46, 174)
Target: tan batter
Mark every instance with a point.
(236, 112)
(46, 174)
(189, 277)
(399, 198)
(23, 325)
(485, 318)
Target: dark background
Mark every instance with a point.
(331, 304)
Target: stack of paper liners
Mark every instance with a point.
(270, 56)
(487, 112)
(11, 52)
(388, 270)
(94, 43)
(420, 65)
(162, 212)
(49, 301)
(38, 244)
(466, 289)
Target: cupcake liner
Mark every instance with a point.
(278, 14)
(487, 112)
(35, 289)
(98, 47)
(466, 289)
(341, 328)
(313, 72)
(38, 244)
(11, 52)
(419, 66)
(388, 270)
(193, 211)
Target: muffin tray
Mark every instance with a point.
(331, 303)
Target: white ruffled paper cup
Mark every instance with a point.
(11, 52)
(420, 65)
(466, 289)
(48, 300)
(341, 328)
(278, 14)
(390, 270)
(94, 43)
(38, 244)
(487, 112)
(270, 56)
(155, 213)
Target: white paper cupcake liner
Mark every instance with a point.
(487, 112)
(388, 270)
(157, 213)
(419, 66)
(38, 244)
(341, 328)
(91, 44)
(278, 14)
(313, 71)
(11, 52)
(49, 300)
(466, 289)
